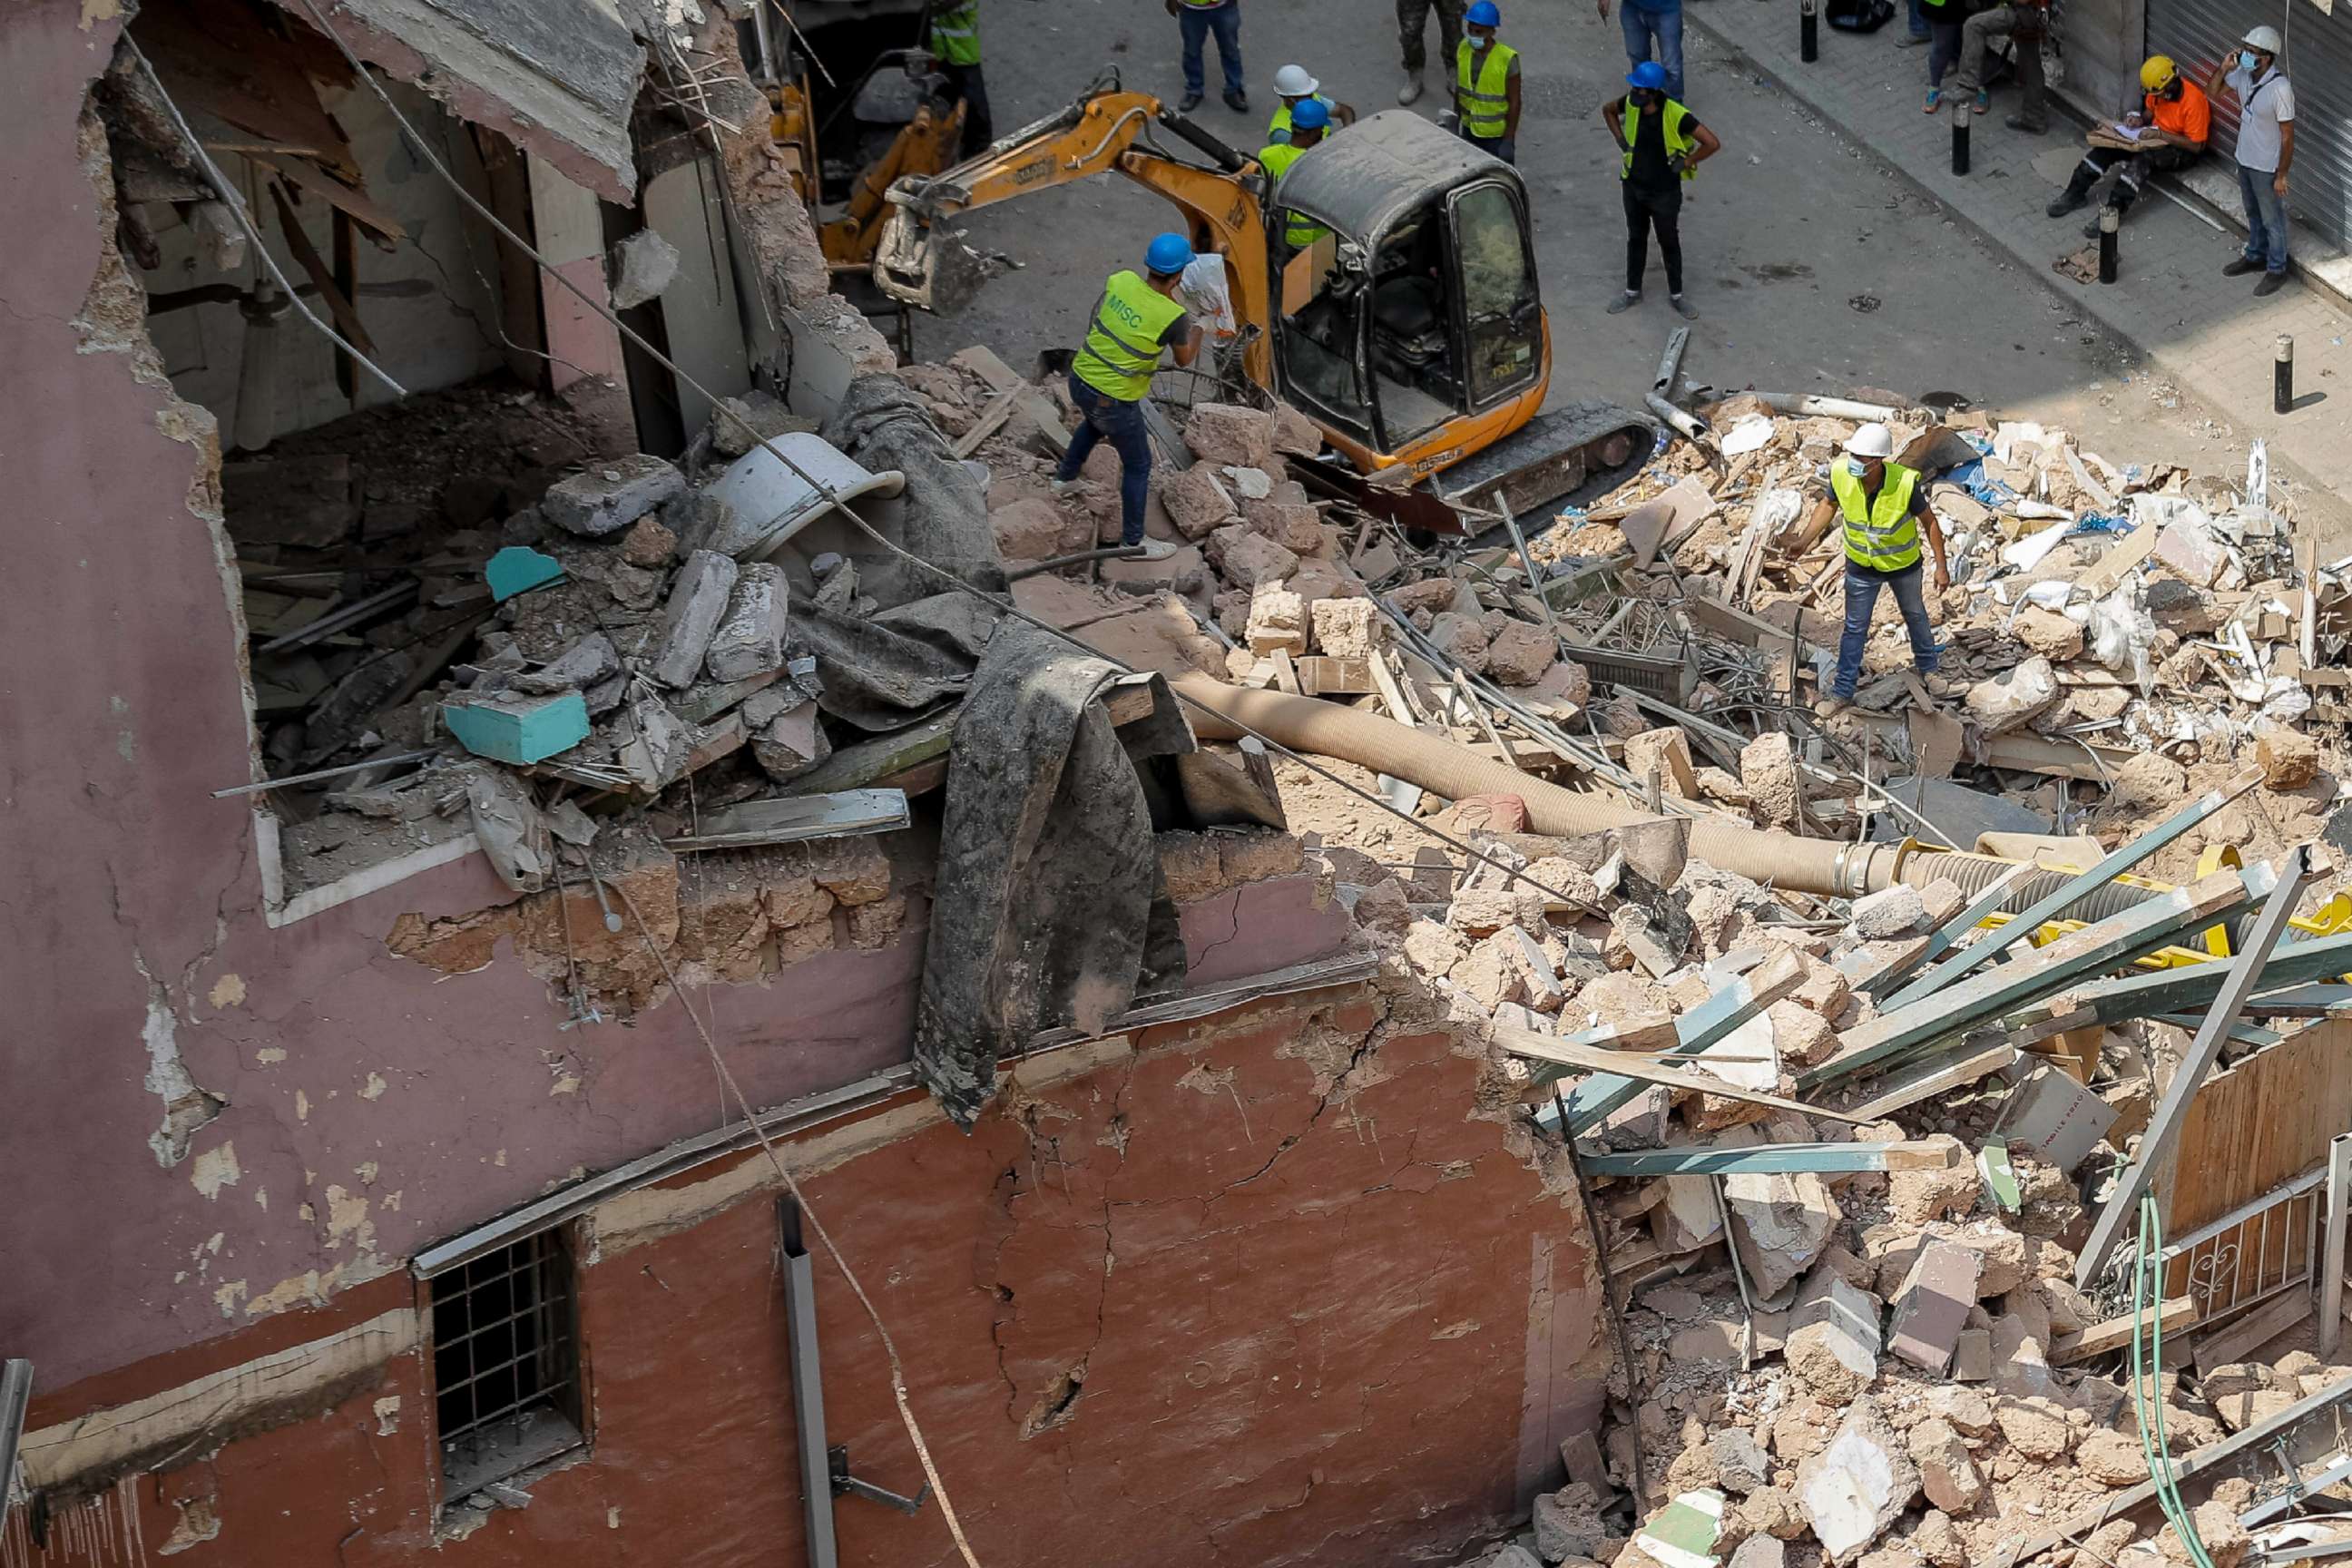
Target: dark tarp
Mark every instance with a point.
(941, 516)
(1050, 907)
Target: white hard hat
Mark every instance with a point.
(1292, 82)
(1871, 441)
(2265, 39)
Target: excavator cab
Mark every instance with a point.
(1407, 317)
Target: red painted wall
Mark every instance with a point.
(1327, 1307)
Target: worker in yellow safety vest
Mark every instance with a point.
(955, 44)
(1110, 376)
(1660, 143)
(1883, 508)
(1293, 86)
(1308, 124)
(1486, 84)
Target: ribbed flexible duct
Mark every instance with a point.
(1351, 734)
(1972, 874)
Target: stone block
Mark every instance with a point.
(1566, 681)
(1296, 526)
(2289, 758)
(1028, 530)
(1767, 768)
(1247, 558)
(2048, 634)
(647, 544)
(2015, 698)
(1462, 640)
(2036, 1427)
(697, 602)
(1740, 1463)
(610, 495)
(1894, 910)
(1348, 628)
(1914, 1197)
(1230, 433)
(1780, 1222)
(1296, 434)
(1487, 976)
(1278, 621)
(1853, 1489)
(1197, 500)
(1521, 655)
(2111, 1458)
(2186, 547)
(1667, 751)
(791, 743)
(1568, 1524)
(643, 265)
(2146, 779)
(1947, 1470)
(1933, 1305)
(1833, 1340)
(750, 636)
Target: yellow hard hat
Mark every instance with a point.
(2158, 73)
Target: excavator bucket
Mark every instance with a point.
(924, 267)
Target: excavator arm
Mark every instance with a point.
(923, 261)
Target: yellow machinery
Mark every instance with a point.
(1412, 330)
(928, 133)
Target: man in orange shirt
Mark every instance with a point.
(2174, 120)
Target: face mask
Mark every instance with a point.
(2172, 93)
(2245, 60)
(1858, 466)
(1477, 42)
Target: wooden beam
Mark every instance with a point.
(1828, 1159)
(1647, 1069)
(2177, 1316)
(1928, 1078)
(2238, 1341)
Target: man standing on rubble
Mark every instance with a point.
(1884, 507)
(1111, 375)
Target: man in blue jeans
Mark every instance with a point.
(1883, 508)
(1658, 23)
(1196, 20)
(1111, 375)
(2265, 104)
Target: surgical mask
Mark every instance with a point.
(1858, 466)
(1477, 41)
(2245, 60)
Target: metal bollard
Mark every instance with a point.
(2110, 222)
(2283, 376)
(1808, 30)
(1960, 138)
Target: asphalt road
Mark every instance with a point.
(1814, 267)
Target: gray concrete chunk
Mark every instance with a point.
(697, 602)
(612, 495)
(750, 638)
(581, 666)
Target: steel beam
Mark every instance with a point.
(2244, 976)
(808, 1387)
(2331, 1268)
(1771, 1159)
(16, 1395)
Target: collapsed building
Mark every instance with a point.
(596, 882)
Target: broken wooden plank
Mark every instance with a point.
(322, 277)
(2074, 890)
(1779, 1159)
(362, 207)
(1654, 1069)
(2108, 570)
(2175, 1316)
(1925, 1080)
(794, 819)
(2244, 976)
(990, 419)
(2239, 1339)
(1029, 399)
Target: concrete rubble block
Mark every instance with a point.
(1519, 654)
(1914, 1197)
(750, 636)
(1933, 1305)
(1741, 1465)
(1430, 947)
(1231, 435)
(1940, 900)
(2036, 1427)
(766, 415)
(1853, 1490)
(2111, 1458)
(513, 832)
(612, 495)
(1348, 628)
(648, 545)
(2014, 697)
(2021, 1355)
(1028, 530)
(642, 266)
(1247, 558)
(1278, 621)
(1566, 681)
(1772, 1511)
(1947, 1470)
(1972, 1356)
(1760, 1550)
(2250, 1408)
(1461, 639)
(2146, 779)
(1767, 768)
(1256, 855)
(1833, 1339)
(2289, 758)
(1780, 1222)
(791, 743)
(1296, 526)
(697, 603)
(1801, 1037)
(1545, 993)
(659, 746)
(1685, 1217)
(1894, 910)
(1197, 500)
(2002, 1255)
(2048, 634)
(1667, 751)
(1512, 1555)
(1295, 434)
(1568, 1524)
(2186, 547)
(576, 669)
(1935, 1538)
(1426, 596)
(1968, 1410)
(1489, 977)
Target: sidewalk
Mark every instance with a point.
(2207, 333)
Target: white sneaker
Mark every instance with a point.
(1411, 91)
(1156, 549)
(1064, 487)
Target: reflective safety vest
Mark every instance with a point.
(1301, 232)
(1880, 533)
(955, 34)
(1277, 130)
(1677, 143)
(1122, 347)
(1481, 91)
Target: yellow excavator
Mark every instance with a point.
(1411, 330)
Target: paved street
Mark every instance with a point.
(1816, 266)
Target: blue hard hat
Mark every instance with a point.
(1485, 13)
(1171, 253)
(1310, 115)
(1649, 75)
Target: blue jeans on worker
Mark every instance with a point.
(1197, 23)
(1120, 423)
(1919, 21)
(1861, 587)
(1664, 27)
(2266, 217)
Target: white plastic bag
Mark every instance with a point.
(2118, 634)
(1202, 285)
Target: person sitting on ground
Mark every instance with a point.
(1884, 508)
(2173, 121)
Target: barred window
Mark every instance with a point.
(506, 1362)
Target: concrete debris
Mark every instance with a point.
(643, 265)
(697, 603)
(750, 640)
(612, 495)
(1858, 1485)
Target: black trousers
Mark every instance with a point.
(966, 86)
(1646, 210)
(2137, 169)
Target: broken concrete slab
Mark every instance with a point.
(643, 265)
(612, 495)
(1568, 1524)
(1947, 1470)
(1780, 1222)
(1933, 1305)
(1859, 1484)
(750, 640)
(576, 669)
(697, 602)
(1834, 1337)
(790, 744)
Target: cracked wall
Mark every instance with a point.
(1281, 1286)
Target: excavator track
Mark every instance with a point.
(1552, 457)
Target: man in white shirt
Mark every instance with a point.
(2266, 102)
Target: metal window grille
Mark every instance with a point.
(504, 1360)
